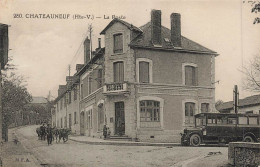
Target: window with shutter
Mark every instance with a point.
(191, 76)
(204, 107)
(118, 72)
(144, 72)
(189, 112)
(118, 43)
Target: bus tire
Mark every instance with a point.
(195, 140)
(248, 139)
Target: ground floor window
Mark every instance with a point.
(149, 111)
(204, 107)
(189, 112)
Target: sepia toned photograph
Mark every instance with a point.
(130, 83)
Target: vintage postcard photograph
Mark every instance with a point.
(129, 83)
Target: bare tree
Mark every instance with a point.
(251, 71)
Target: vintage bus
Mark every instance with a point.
(222, 128)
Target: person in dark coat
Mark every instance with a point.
(105, 131)
(49, 134)
(43, 131)
(56, 134)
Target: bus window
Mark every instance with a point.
(200, 121)
(242, 120)
(211, 121)
(232, 121)
(222, 120)
(252, 120)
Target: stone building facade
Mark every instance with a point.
(146, 83)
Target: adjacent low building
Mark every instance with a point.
(248, 105)
(146, 83)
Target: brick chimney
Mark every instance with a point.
(86, 50)
(176, 29)
(62, 89)
(156, 27)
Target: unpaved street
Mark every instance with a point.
(74, 154)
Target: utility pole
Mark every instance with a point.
(235, 98)
(90, 30)
(69, 68)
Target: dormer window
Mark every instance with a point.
(118, 43)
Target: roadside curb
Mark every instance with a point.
(129, 143)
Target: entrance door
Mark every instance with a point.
(70, 121)
(119, 118)
(82, 123)
(89, 124)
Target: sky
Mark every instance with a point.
(42, 49)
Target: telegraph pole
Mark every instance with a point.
(90, 30)
(69, 68)
(235, 98)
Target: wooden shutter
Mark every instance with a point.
(191, 75)
(118, 72)
(144, 72)
(188, 75)
(195, 76)
(118, 43)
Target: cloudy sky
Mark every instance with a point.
(42, 49)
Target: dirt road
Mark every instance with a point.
(73, 154)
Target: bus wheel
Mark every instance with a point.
(248, 139)
(195, 140)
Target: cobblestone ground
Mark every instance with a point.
(73, 154)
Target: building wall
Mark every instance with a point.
(167, 66)
(91, 99)
(129, 76)
(127, 55)
(255, 109)
(68, 108)
(168, 86)
(71, 108)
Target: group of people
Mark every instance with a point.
(52, 133)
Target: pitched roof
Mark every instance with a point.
(130, 26)
(248, 101)
(38, 100)
(144, 40)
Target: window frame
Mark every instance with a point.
(138, 60)
(146, 107)
(183, 111)
(184, 73)
(118, 61)
(154, 98)
(208, 105)
(114, 43)
(190, 117)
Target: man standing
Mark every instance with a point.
(49, 134)
(105, 131)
